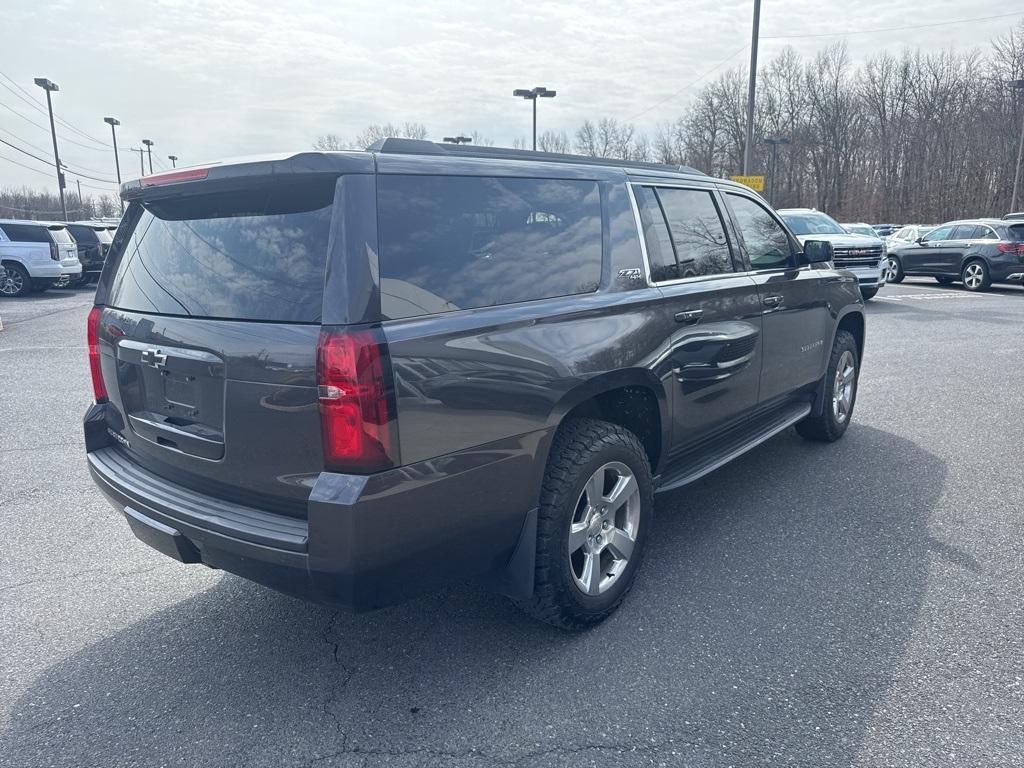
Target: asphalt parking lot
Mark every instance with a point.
(853, 604)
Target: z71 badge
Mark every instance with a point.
(633, 273)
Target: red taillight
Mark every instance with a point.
(1011, 247)
(54, 253)
(172, 177)
(357, 418)
(93, 336)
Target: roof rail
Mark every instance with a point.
(420, 147)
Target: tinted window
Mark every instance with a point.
(25, 233)
(939, 233)
(661, 253)
(697, 231)
(252, 255)
(86, 235)
(766, 241)
(966, 232)
(453, 242)
(1016, 232)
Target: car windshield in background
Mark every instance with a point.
(858, 230)
(813, 224)
(252, 255)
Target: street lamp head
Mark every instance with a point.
(457, 139)
(526, 94)
(47, 85)
(148, 142)
(173, 158)
(543, 92)
(111, 121)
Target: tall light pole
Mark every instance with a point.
(1017, 85)
(113, 121)
(49, 87)
(774, 144)
(540, 92)
(149, 151)
(457, 139)
(174, 160)
(748, 146)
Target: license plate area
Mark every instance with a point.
(173, 396)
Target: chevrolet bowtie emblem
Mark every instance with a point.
(154, 358)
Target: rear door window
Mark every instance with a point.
(661, 251)
(258, 254)
(966, 232)
(698, 233)
(459, 242)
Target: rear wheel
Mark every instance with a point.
(975, 276)
(594, 516)
(840, 394)
(893, 270)
(15, 281)
(944, 280)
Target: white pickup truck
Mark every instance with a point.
(36, 255)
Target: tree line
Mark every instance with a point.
(28, 203)
(916, 136)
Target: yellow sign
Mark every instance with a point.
(756, 183)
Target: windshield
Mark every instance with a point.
(860, 229)
(813, 224)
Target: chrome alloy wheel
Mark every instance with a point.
(974, 275)
(842, 392)
(890, 270)
(11, 283)
(603, 531)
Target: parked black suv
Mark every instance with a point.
(93, 240)
(353, 376)
(976, 252)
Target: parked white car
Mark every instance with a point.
(36, 255)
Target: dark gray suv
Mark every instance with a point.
(976, 252)
(355, 376)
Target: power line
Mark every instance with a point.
(45, 128)
(64, 167)
(41, 149)
(29, 99)
(893, 29)
(689, 85)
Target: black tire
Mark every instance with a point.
(581, 448)
(944, 280)
(869, 293)
(16, 282)
(827, 427)
(895, 270)
(968, 275)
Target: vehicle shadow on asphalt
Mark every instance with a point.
(767, 625)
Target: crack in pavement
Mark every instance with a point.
(77, 574)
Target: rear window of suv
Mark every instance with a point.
(257, 254)
(456, 242)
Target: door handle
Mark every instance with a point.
(772, 301)
(690, 316)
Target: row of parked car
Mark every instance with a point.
(975, 252)
(36, 255)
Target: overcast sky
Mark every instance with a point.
(215, 79)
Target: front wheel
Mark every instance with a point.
(893, 270)
(975, 276)
(595, 513)
(840, 394)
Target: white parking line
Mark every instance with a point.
(931, 295)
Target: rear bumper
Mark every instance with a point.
(367, 541)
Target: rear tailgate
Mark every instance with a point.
(208, 339)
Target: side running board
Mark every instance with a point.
(702, 460)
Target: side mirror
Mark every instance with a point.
(816, 251)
